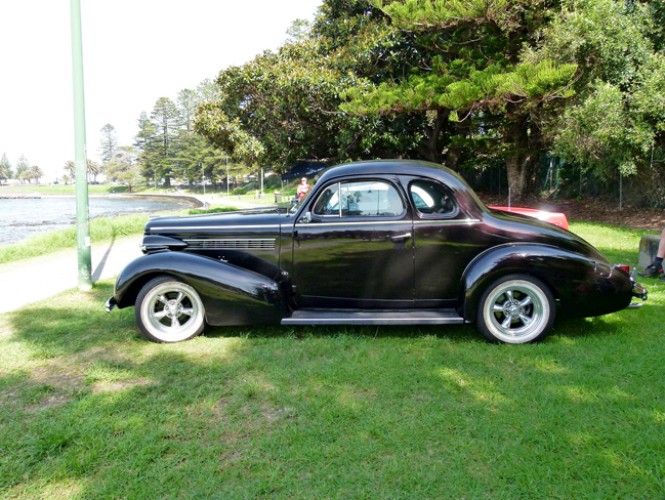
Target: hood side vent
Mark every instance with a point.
(232, 244)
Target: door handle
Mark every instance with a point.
(401, 237)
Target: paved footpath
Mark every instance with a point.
(30, 280)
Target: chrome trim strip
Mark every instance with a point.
(447, 222)
(405, 321)
(189, 228)
(355, 223)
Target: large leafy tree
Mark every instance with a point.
(124, 167)
(273, 109)
(472, 80)
(284, 106)
(616, 126)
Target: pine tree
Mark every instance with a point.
(471, 71)
(5, 169)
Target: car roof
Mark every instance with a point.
(396, 167)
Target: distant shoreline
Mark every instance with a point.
(192, 200)
(20, 196)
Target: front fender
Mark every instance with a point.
(569, 275)
(231, 295)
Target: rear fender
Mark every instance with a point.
(231, 295)
(561, 270)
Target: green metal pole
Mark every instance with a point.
(80, 160)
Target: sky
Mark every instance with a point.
(134, 51)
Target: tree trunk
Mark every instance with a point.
(431, 148)
(523, 140)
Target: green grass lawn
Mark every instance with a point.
(90, 409)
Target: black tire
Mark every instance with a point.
(516, 309)
(168, 310)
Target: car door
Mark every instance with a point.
(353, 246)
(446, 240)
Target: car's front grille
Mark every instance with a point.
(232, 244)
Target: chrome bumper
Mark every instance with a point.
(111, 304)
(639, 292)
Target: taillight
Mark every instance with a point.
(624, 267)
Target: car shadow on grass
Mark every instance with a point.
(79, 322)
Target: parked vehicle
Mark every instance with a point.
(380, 243)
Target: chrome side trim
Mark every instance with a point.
(448, 222)
(356, 223)
(221, 226)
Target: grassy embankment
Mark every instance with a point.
(90, 409)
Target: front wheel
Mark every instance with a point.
(168, 310)
(515, 310)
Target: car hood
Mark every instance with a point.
(262, 218)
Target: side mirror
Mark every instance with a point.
(306, 218)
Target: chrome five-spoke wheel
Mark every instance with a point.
(168, 310)
(516, 309)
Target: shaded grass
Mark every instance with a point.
(89, 409)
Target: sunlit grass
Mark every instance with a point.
(90, 409)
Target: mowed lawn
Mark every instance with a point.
(90, 409)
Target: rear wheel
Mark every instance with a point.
(168, 310)
(516, 309)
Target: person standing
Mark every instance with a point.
(656, 267)
(303, 189)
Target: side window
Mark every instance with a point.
(359, 199)
(431, 198)
(370, 199)
(328, 202)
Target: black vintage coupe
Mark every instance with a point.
(380, 243)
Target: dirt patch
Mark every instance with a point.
(117, 386)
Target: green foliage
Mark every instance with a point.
(606, 38)
(170, 149)
(289, 101)
(442, 14)
(124, 168)
(617, 122)
(468, 67)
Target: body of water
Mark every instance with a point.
(20, 218)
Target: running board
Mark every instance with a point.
(374, 317)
